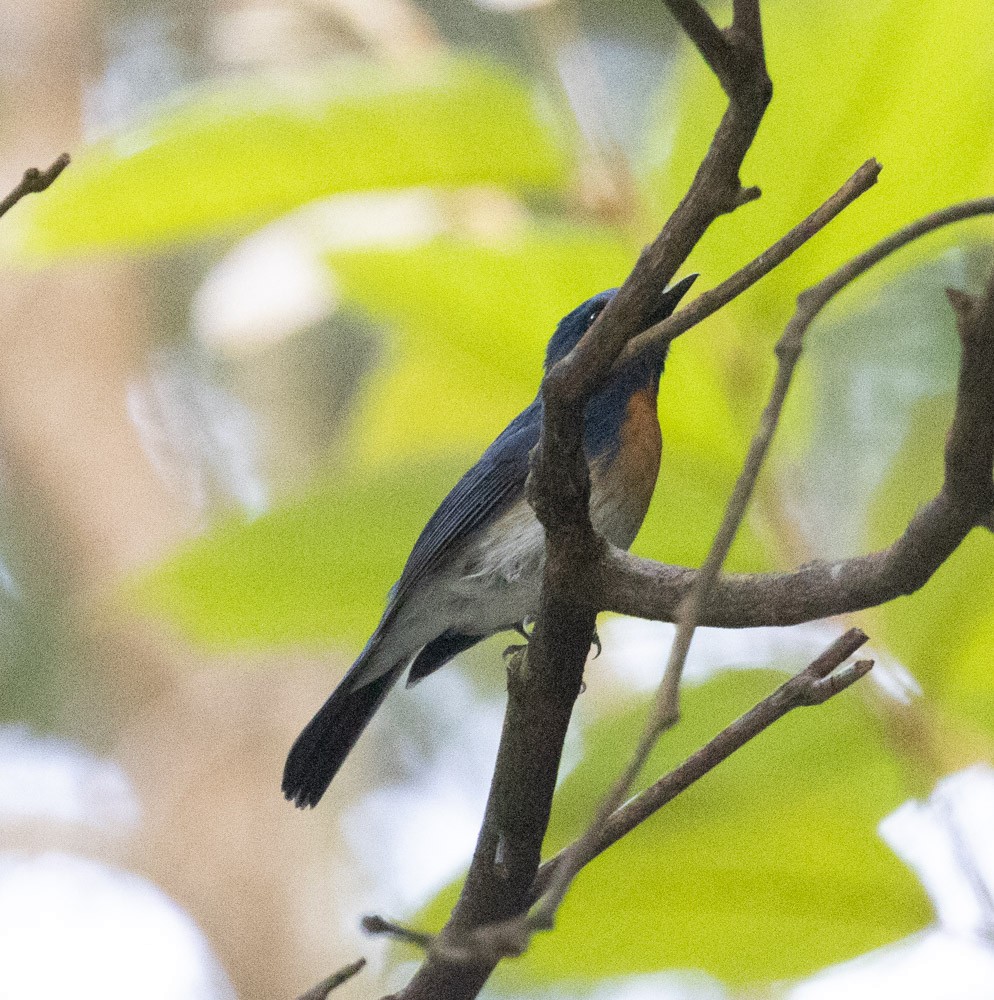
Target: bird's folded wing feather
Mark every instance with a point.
(487, 489)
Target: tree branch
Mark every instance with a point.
(336, 979)
(377, 926)
(665, 707)
(33, 181)
(709, 39)
(731, 288)
(645, 589)
(543, 686)
(812, 686)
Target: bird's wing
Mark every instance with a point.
(489, 487)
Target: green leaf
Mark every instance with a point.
(943, 633)
(314, 572)
(914, 92)
(467, 325)
(235, 155)
(468, 322)
(768, 868)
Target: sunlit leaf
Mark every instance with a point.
(768, 868)
(313, 573)
(914, 92)
(465, 325)
(468, 322)
(237, 154)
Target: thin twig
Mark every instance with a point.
(665, 708)
(336, 979)
(812, 686)
(33, 181)
(816, 684)
(377, 925)
(731, 288)
(705, 34)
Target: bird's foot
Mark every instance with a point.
(521, 628)
(596, 641)
(514, 649)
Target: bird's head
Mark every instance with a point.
(576, 323)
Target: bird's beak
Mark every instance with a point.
(676, 292)
(671, 297)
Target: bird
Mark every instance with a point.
(476, 568)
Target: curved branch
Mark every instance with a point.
(645, 589)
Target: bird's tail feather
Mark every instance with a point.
(321, 749)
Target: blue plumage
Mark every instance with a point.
(476, 567)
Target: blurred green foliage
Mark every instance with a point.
(236, 156)
(770, 868)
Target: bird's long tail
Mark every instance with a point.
(321, 749)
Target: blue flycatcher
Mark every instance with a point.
(476, 568)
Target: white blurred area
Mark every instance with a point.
(72, 925)
(201, 440)
(948, 841)
(635, 652)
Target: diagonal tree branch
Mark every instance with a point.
(327, 986)
(665, 708)
(543, 686)
(33, 181)
(812, 686)
(709, 39)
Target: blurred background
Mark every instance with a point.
(301, 271)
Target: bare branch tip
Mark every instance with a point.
(963, 303)
(36, 180)
(746, 194)
(336, 979)
(872, 167)
(376, 925)
(836, 654)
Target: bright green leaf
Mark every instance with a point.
(313, 573)
(237, 154)
(914, 92)
(468, 323)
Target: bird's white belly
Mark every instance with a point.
(500, 578)
(496, 582)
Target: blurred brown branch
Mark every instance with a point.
(33, 181)
(377, 925)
